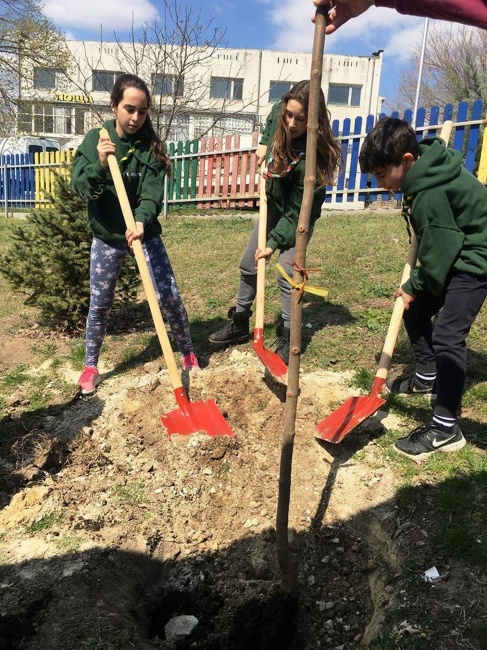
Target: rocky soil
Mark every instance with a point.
(111, 528)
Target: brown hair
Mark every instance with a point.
(328, 152)
(146, 131)
(387, 143)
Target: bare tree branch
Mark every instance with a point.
(454, 69)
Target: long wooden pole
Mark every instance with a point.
(144, 272)
(289, 575)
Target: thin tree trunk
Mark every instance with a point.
(289, 575)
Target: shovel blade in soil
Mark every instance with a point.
(272, 361)
(192, 417)
(339, 423)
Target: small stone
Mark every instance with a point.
(180, 627)
(152, 367)
(250, 523)
(218, 453)
(14, 400)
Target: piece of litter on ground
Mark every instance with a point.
(431, 575)
(309, 326)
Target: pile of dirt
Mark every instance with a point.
(111, 528)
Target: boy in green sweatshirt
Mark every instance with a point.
(446, 208)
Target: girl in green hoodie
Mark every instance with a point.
(283, 145)
(143, 163)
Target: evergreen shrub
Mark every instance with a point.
(48, 262)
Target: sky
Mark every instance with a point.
(254, 24)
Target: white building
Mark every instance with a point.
(195, 92)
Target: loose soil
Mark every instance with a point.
(110, 527)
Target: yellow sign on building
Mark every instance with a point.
(77, 99)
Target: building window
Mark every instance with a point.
(48, 78)
(51, 119)
(166, 84)
(179, 129)
(344, 94)
(231, 125)
(278, 88)
(103, 80)
(214, 126)
(202, 126)
(226, 88)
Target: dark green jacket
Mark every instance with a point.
(448, 215)
(285, 194)
(143, 177)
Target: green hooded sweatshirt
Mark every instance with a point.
(448, 215)
(143, 176)
(285, 194)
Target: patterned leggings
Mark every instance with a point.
(105, 264)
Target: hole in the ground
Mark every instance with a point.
(265, 624)
(16, 628)
(204, 604)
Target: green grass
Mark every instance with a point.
(68, 543)
(131, 493)
(76, 354)
(347, 330)
(44, 350)
(46, 522)
(16, 377)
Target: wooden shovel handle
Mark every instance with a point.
(144, 270)
(398, 311)
(261, 243)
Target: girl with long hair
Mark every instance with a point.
(283, 146)
(143, 163)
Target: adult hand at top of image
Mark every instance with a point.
(468, 12)
(342, 11)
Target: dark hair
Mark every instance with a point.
(146, 131)
(327, 149)
(387, 143)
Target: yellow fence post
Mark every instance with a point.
(482, 173)
(47, 165)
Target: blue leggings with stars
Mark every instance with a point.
(105, 264)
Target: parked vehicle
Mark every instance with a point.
(72, 144)
(26, 144)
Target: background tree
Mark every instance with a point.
(27, 40)
(454, 69)
(172, 54)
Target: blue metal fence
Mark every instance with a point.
(18, 172)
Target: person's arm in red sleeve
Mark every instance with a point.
(468, 12)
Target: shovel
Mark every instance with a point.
(189, 417)
(271, 360)
(357, 409)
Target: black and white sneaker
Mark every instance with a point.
(411, 385)
(426, 439)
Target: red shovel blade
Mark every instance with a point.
(272, 361)
(357, 409)
(194, 417)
